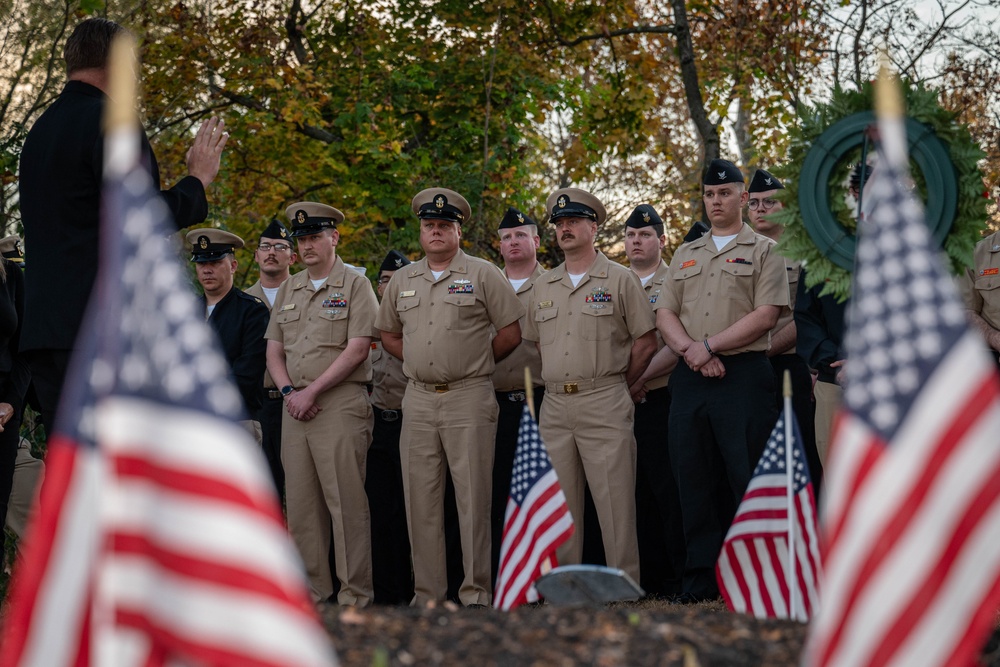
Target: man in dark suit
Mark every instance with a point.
(60, 185)
(238, 318)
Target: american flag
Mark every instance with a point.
(753, 569)
(911, 520)
(159, 539)
(537, 521)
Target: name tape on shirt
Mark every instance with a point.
(689, 263)
(406, 293)
(989, 272)
(288, 306)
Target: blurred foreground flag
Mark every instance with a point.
(537, 521)
(769, 563)
(911, 520)
(159, 539)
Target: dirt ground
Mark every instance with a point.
(645, 633)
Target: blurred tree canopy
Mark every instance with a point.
(361, 105)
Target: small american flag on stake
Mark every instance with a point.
(769, 563)
(159, 539)
(537, 521)
(912, 508)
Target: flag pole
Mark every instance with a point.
(789, 490)
(889, 111)
(529, 393)
(121, 144)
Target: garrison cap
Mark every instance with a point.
(209, 244)
(441, 204)
(645, 215)
(514, 218)
(762, 181)
(309, 217)
(720, 172)
(275, 230)
(393, 261)
(575, 203)
(10, 248)
(697, 230)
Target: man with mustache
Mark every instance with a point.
(274, 257)
(594, 328)
(722, 297)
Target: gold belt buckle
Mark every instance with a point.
(441, 388)
(571, 387)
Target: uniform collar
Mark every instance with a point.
(334, 279)
(746, 236)
(230, 295)
(599, 269)
(459, 264)
(526, 285)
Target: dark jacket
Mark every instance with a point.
(60, 188)
(819, 329)
(241, 320)
(14, 373)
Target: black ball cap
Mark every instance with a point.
(762, 181)
(393, 261)
(697, 230)
(720, 172)
(275, 230)
(514, 218)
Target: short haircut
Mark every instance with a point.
(531, 229)
(90, 44)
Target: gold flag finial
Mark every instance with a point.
(888, 99)
(123, 72)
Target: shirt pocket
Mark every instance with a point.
(989, 290)
(334, 326)
(737, 281)
(596, 321)
(461, 314)
(545, 322)
(688, 283)
(405, 308)
(288, 320)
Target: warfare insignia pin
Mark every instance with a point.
(462, 281)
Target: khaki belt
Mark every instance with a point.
(583, 385)
(442, 387)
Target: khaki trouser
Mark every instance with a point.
(828, 398)
(456, 429)
(28, 475)
(590, 440)
(324, 461)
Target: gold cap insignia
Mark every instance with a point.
(645, 216)
(439, 201)
(203, 242)
(283, 233)
(562, 201)
(301, 217)
(520, 218)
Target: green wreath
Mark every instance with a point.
(819, 223)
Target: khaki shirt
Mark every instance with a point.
(388, 381)
(509, 375)
(446, 322)
(787, 315)
(258, 291)
(653, 288)
(586, 332)
(981, 284)
(711, 289)
(315, 325)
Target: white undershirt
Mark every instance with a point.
(645, 281)
(516, 283)
(437, 274)
(576, 277)
(208, 311)
(318, 283)
(270, 293)
(721, 241)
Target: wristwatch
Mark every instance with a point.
(286, 390)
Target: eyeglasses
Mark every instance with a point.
(767, 204)
(277, 247)
(383, 280)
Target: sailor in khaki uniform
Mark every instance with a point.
(317, 352)
(657, 506)
(519, 243)
(437, 317)
(274, 256)
(595, 330)
(723, 294)
(391, 572)
(761, 207)
(981, 291)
